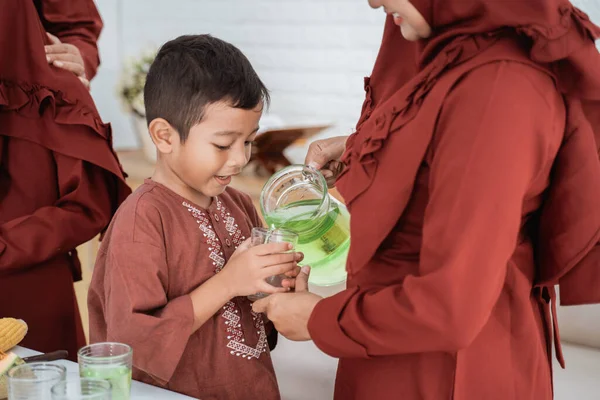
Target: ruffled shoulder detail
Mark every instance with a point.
(570, 50)
(32, 100)
(571, 42)
(553, 43)
(396, 112)
(63, 125)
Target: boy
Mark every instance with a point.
(172, 276)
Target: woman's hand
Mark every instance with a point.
(248, 268)
(290, 312)
(66, 56)
(325, 155)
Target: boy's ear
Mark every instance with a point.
(163, 135)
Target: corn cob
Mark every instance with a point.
(12, 331)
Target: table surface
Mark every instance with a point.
(299, 363)
(139, 390)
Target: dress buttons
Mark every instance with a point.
(216, 218)
(228, 242)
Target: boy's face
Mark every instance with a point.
(216, 149)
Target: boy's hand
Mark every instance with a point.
(290, 312)
(248, 267)
(66, 56)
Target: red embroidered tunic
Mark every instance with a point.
(158, 249)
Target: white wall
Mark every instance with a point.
(312, 54)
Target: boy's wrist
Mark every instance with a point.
(210, 297)
(224, 283)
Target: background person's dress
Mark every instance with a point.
(60, 180)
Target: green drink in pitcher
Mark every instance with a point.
(296, 199)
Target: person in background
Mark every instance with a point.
(174, 271)
(73, 28)
(473, 185)
(60, 180)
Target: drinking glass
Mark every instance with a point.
(263, 236)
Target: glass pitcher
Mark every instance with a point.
(296, 199)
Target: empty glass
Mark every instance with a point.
(82, 389)
(109, 361)
(264, 236)
(34, 381)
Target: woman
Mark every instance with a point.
(60, 181)
(473, 189)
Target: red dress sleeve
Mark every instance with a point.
(84, 208)
(488, 149)
(76, 22)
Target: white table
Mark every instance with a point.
(139, 390)
(297, 364)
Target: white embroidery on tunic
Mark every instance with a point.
(231, 312)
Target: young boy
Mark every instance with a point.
(172, 276)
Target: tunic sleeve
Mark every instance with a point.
(76, 22)
(83, 210)
(487, 151)
(138, 311)
(256, 221)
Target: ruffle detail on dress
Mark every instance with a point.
(553, 43)
(32, 100)
(567, 41)
(399, 110)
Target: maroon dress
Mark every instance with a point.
(60, 180)
(473, 184)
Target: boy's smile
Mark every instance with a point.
(223, 180)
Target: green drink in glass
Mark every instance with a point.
(111, 362)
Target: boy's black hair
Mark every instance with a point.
(193, 71)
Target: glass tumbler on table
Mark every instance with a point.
(34, 381)
(82, 389)
(111, 362)
(264, 236)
